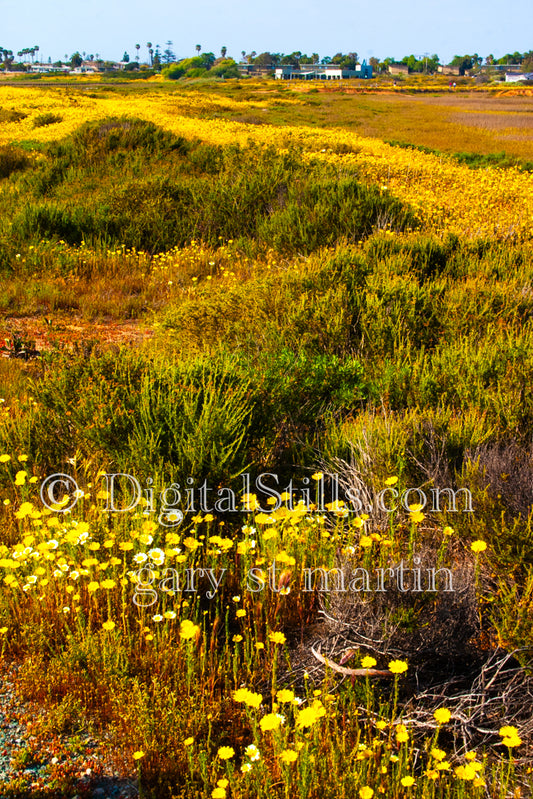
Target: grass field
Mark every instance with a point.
(209, 283)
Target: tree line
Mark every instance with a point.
(159, 58)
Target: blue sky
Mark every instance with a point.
(387, 28)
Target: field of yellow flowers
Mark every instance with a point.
(447, 196)
(350, 321)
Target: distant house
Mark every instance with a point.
(83, 70)
(253, 70)
(323, 72)
(398, 69)
(518, 77)
(449, 70)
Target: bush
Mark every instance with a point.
(49, 118)
(12, 160)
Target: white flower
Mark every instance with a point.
(157, 556)
(140, 557)
(252, 752)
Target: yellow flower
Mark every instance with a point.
(3, 630)
(407, 781)
(277, 638)
(226, 752)
(109, 625)
(93, 586)
(188, 629)
(270, 722)
(285, 695)
(315, 476)
(20, 478)
(5, 458)
(442, 715)
(188, 741)
(310, 715)
(218, 793)
(240, 613)
(438, 754)
(397, 666)
(466, 772)
(512, 741)
(366, 792)
(368, 662)
(223, 783)
(288, 756)
(391, 481)
(478, 546)
(401, 733)
(508, 732)
(138, 755)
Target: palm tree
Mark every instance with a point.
(223, 51)
(150, 52)
(198, 48)
(137, 47)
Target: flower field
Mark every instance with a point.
(280, 546)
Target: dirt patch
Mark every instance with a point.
(41, 334)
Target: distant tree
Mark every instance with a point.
(76, 60)
(489, 60)
(168, 55)
(156, 63)
(527, 62)
(150, 52)
(226, 68)
(265, 60)
(207, 60)
(464, 62)
(198, 48)
(374, 63)
(243, 53)
(223, 51)
(315, 58)
(326, 60)
(126, 57)
(137, 47)
(292, 60)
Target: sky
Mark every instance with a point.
(390, 28)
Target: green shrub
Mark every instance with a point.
(41, 120)
(12, 160)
